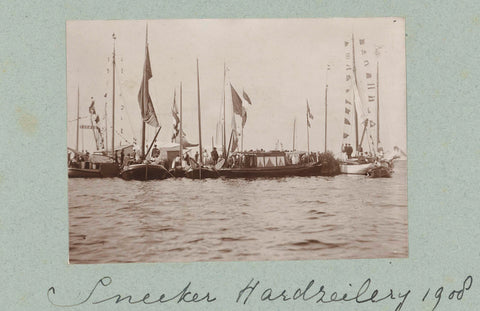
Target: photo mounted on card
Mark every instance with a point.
(236, 140)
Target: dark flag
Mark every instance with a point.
(346, 121)
(237, 102)
(176, 119)
(345, 135)
(95, 119)
(144, 99)
(347, 111)
(244, 117)
(234, 134)
(247, 98)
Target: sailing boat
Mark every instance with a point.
(353, 102)
(97, 165)
(200, 171)
(179, 168)
(145, 169)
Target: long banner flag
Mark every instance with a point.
(144, 99)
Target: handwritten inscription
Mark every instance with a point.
(185, 295)
(318, 294)
(255, 292)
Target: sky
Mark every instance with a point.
(279, 63)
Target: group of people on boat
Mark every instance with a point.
(79, 160)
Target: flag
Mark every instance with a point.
(144, 99)
(237, 102)
(247, 98)
(347, 111)
(176, 119)
(309, 115)
(244, 117)
(91, 109)
(346, 121)
(95, 119)
(234, 134)
(345, 135)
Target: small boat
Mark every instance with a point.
(380, 172)
(350, 167)
(269, 164)
(144, 171)
(93, 170)
(91, 166)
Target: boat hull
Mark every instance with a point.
(144, 172)
(97, 170)
(177, 172)
(355, 169)
(379, 172)
(194, 173)
(283, 171)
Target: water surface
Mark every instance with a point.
(293, 218)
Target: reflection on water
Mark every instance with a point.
(294, 218)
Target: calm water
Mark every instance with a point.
(295, 218)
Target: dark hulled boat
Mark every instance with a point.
(206, 172)
(144, 171)
(380, 172)
(93, 170)
(177, 172)
(270, 164)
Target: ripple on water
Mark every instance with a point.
(112, 220)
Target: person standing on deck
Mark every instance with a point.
(155, 151)
(349, 151)
(214, 154)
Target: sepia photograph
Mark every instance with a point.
(236, 140)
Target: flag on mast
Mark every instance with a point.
(247, 98)
(144, 99)
(309, 115)
(237, 106)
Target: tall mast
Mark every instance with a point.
(355, 85)
(224, 130)
(78, 115)
(378, 109)
(106, 129)
(308, 133)
(181, 126)
(113, 100)
(294, 124)
(199, 124)
(326, 96)
(144, 93)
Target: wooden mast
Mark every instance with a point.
(113, 101)
(355, 85)
(199, 126)
(78, 116)
(224, 130)
(294, 125)
(106, 129)
(326, 96)
(181, 127)
(144, 94)
(378, 109)
(308, 133)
